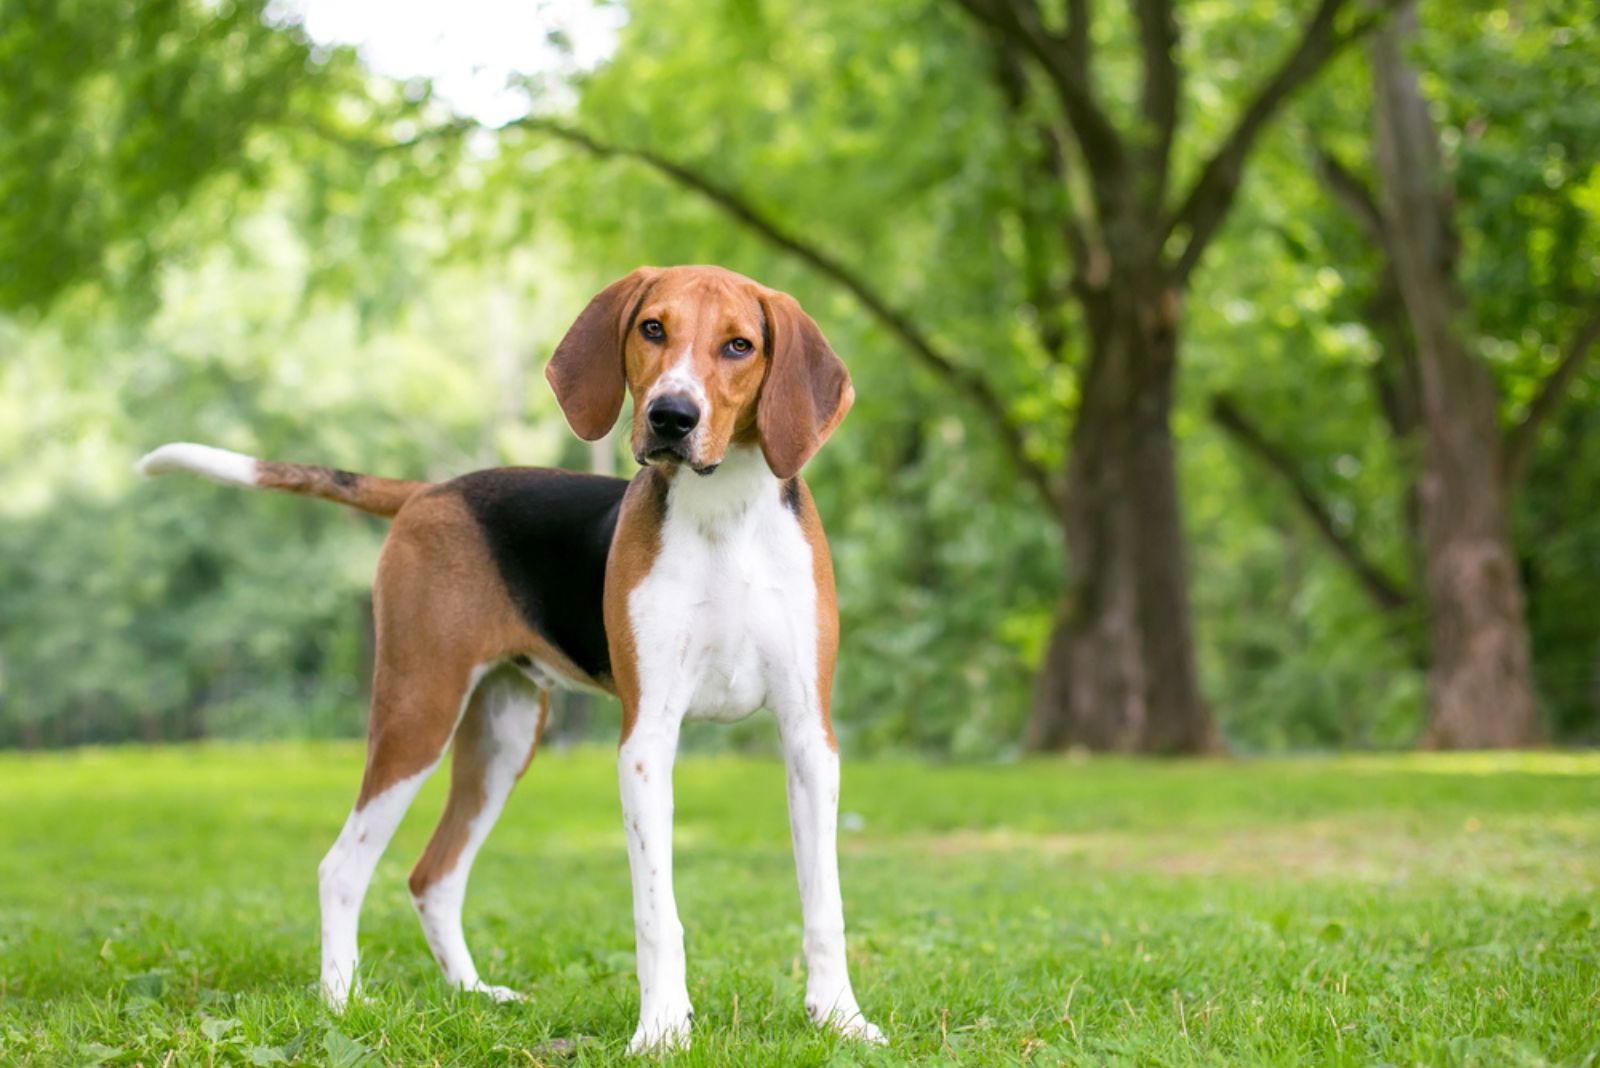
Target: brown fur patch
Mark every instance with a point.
(468, 765)
(633, 553)
(807, 391)
(538, 731)
(470, 756)
(379, 496)
(827, 598)
(440, 611)
(586, 369)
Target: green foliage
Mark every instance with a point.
(1518, 93)
(111, 117)
(1522, 153)
(225, 234)
(1411, 910)
(182, 609)
(1559, 529)
(1295, 655)
(1520, 90)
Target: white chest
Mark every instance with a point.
(726, 620)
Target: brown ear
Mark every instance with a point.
(586, 370)
(807, 391)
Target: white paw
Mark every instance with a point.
(502, 994)
(336, 995)
(847, 1019)
(661, 1030)
(858, 1028)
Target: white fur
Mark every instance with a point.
(219, 465)
(343, 878)
(346, 871)
(680, 378)
(724, 623)
(730, 603)
(812, 765)
(512, 715)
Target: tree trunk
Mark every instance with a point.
(1479, 689)
(1479, 692)
(1119, 672)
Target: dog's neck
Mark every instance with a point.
(721, 499)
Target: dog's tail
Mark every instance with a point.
(379, 496)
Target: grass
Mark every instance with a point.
(159, 907)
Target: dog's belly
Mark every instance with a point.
(547, 675)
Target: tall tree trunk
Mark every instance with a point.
(1119, 671)
(1479, 689)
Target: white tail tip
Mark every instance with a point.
(219, 465)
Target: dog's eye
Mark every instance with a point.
(737, 348)
(652, 329)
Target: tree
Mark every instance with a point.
(316, 292)
(1435, 391)
(175, 221)
(1479, 689)
(112, 120)
(1119, 670)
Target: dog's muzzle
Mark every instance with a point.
(671, 419)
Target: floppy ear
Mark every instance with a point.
(586, 370)
(807, 391)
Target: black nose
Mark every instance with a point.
(672, 417)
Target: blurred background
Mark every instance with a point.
(1225, 379)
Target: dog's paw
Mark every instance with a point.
(846, 1018)
(860, 1029)
(662, 1030)
(336, 995)
(502, 994)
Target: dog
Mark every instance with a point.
(702, 588)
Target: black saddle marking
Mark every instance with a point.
(549, 533)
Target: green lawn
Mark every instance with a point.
(159, 907)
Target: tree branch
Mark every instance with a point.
(1158, 39)
(1384, 592)
(1064, 60)
(1352, 194)
(1520, 439)
(964, 380)
(1210, 198)
(1048, 163)
(1394, 374)
(1076, 37)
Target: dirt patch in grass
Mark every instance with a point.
(1563, 854)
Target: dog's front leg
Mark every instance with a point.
(644, 769)
(812, 762)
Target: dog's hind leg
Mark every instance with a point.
(493, 746)
(412, 722)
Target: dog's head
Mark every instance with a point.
(712, 359)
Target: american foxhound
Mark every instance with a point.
(700, 589)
